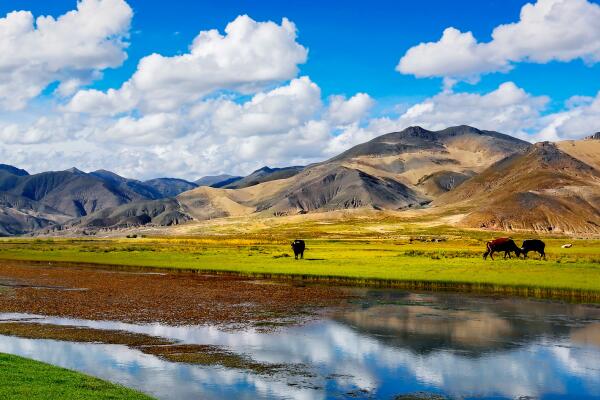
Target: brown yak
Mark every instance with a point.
(507, 245)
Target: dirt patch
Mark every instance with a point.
(174, 298)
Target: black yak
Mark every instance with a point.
(533, 245)
(298, 246)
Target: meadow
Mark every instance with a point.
(22, 378)
(368, 251)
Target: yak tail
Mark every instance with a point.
(488, 251)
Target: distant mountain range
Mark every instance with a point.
(490, 179)
(29, 202)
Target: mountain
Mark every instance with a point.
(332, 187)
(30, 202)
(585, 150)
(138, 187)
(541, 189)
(13, 170)
(170, 187)
(158, 188)
(488, 179)
(400, 170)
(71, 192)
(261, 175)
(217, 180)
(162, 212)
(20, 215)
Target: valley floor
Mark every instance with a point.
(380, 251)
(23, 378)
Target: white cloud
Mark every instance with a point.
(72, 48)
(157, 128)
(286, 125)
(248, 58)
(456, 54)
(234, 103)
(276, 111)
(581, 118)
(342, 111)
(507, 109)
(549, 30)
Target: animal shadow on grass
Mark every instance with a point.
(314, 259)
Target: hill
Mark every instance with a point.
(543, 189)
(31, 202)
(217, 181)
(261, 175)
(170, 187)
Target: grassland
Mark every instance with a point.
(22, 378)
(374, 251)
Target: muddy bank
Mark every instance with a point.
(169, 350)
(174, 298)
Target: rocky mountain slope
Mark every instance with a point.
(29, 202)
(542, 189)
(396, 171)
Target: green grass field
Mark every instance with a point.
(415, 262)
(22, 378)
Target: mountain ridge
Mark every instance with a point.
(457, 167)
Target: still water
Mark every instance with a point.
(388, 343)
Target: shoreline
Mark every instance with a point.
(480, 288)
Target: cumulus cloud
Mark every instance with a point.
(157, 128)
(71, 49)
(580, 118)
(276, 111)
(249, 57)
(507, 109)
(234, 103)
(549, 30)
(343, 112)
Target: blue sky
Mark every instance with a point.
(537, 79)
(354, 45)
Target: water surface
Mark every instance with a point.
(388, 343)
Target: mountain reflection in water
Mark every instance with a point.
(390, 342)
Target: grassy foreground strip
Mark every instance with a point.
(22, 378)
(451, 264)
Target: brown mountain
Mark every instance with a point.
(400, 170)
(542, 189)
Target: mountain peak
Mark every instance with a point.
(75, 170)
(266, 168)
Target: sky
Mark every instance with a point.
(186, 89)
